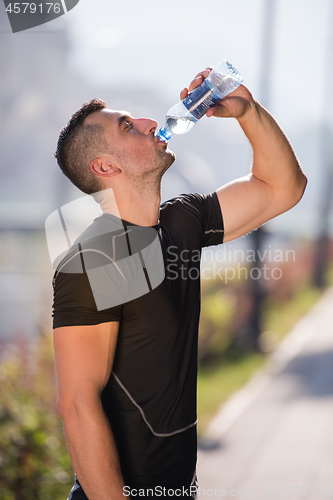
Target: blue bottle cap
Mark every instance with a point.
(164, 134)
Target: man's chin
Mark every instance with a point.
(173, 156)
(171, 159)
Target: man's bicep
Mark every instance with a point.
(84, 357)
(246, 204)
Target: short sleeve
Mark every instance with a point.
(198, 212)
(213, 228)
(74, 302)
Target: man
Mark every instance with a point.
(126, 369)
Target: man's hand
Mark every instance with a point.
(235, 105)
(276, 182)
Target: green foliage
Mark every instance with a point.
(218, 309)
(34, 462)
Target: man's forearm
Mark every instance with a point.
(274, 161)
(93, 451)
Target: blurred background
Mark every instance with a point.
(138, 56)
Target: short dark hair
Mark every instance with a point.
(79, 144)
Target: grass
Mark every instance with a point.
(217, 382)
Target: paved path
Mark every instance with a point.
(277, 432)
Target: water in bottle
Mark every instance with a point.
(182, 117)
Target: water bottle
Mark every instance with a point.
(182, 117)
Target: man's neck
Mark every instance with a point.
(138, 206)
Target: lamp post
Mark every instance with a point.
(321, 253)
(249, 338)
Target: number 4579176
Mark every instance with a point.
(31, 8)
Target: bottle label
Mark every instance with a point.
(200, 100)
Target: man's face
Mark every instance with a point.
(133, 143)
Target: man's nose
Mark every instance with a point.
(146, 125)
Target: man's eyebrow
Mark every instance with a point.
(123, 118)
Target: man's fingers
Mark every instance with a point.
(231, 106)
(210, 112)
(204, 73)
(220, 111)
(195, 83)
(199, 78)
(183, 93)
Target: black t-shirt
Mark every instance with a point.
(150, 398)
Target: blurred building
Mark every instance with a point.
(36, 90)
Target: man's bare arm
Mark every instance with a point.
(276, 182)
(84, 358)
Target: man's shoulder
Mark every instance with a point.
(93, 241)
(188, 199)
(180, 200)
(194, 216)
(191, 204)
(106, 241)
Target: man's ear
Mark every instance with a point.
(104, 166)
